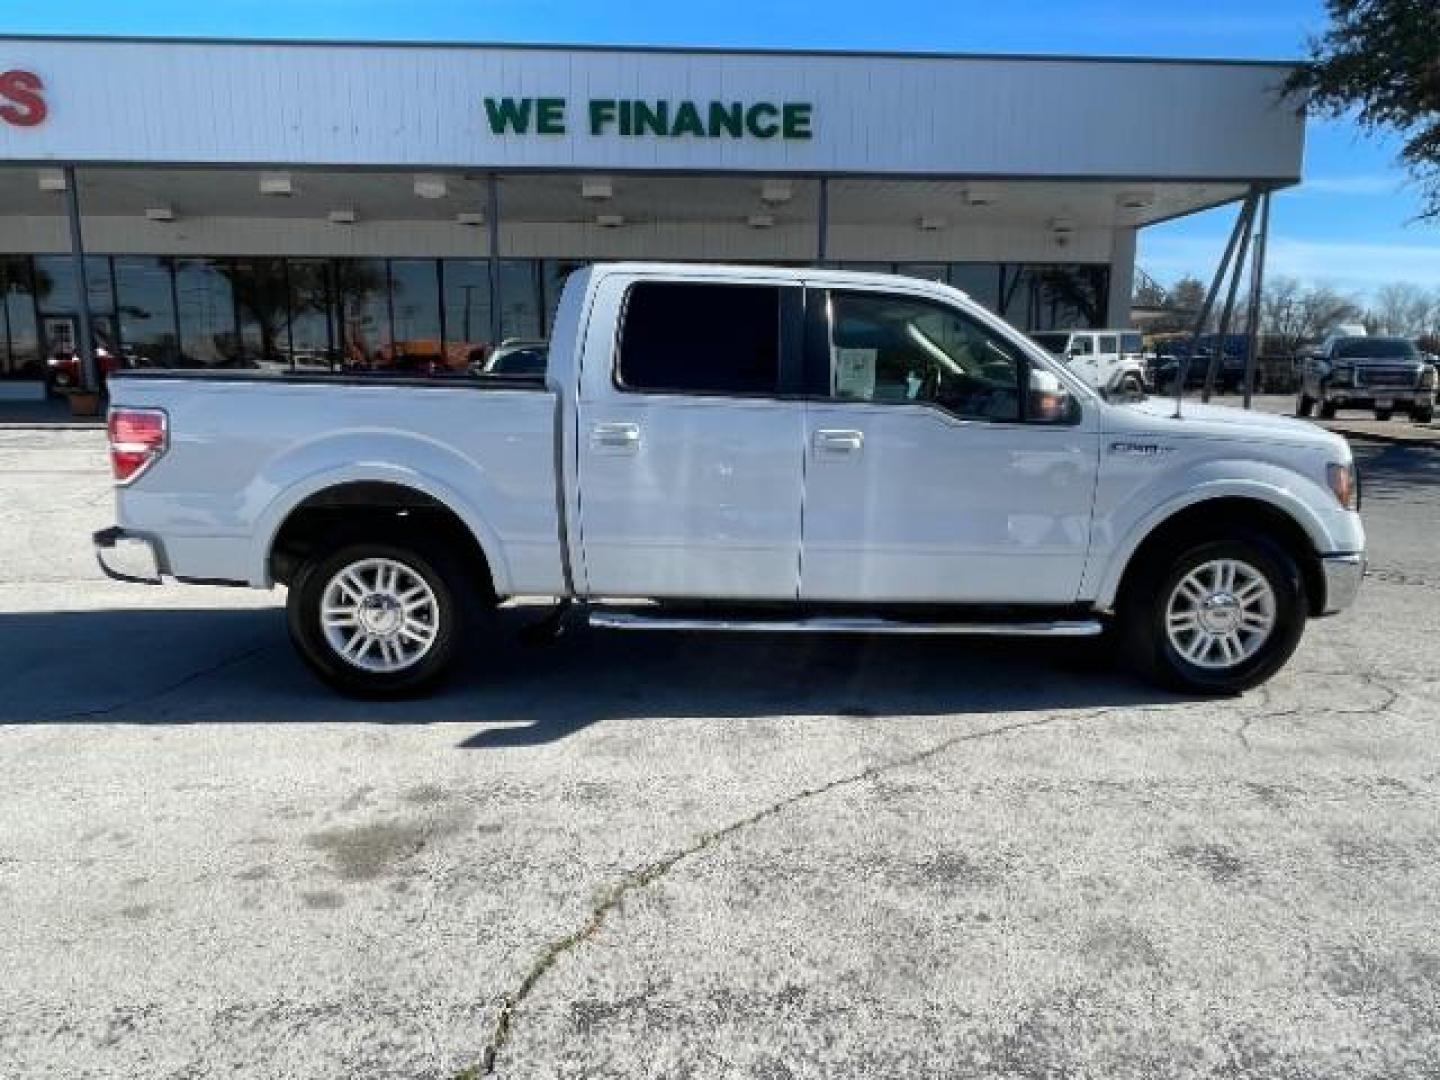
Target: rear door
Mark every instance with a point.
(944, 465)
(691, 439)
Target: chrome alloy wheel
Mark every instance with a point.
(1220, 614)
(379, 615)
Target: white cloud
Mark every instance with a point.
(1359, 267)
(1356, 184)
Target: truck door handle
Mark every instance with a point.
(622, 436)
(831, 441)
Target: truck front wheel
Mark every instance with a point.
(377, 619)
(1222, 617)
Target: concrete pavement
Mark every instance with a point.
(686, 855)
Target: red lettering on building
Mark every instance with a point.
(20, 100)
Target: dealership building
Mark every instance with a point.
(407, 207)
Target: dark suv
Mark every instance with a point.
(1379, 373)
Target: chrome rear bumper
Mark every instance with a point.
(1343, 574)
(126, 557)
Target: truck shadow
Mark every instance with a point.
(174, 666)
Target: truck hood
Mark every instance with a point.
(1156, 415)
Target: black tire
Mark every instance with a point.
(1384, 414)
(448, 582)
(1423, 414)
(1327, 410)
(1146, 644)
(1131, 386)
(1305, 405)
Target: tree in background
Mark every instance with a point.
(1292, 314)
(1381, 59)
(1400, 308)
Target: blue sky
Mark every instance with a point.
(1350, 224)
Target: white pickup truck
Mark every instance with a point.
(741, 448)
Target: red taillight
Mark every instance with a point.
(137, 438)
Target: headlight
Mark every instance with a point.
(1344, 482)
(1428, 377)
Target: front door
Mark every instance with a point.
(690, 452)
(943, 465)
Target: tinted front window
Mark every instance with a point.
(1376, 348)
(708, 339)
(1132, 343)
(891, 348)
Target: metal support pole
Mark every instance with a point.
(1184, 371)
(493, 269)
(1217, 359)
(89, 371)
(822, 233)
(1252, 351)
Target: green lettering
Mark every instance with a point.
(550, 116)
(627, 119)
(687, 121)
(508, 113)
(656, 119)
(753, 122)
(602, 112)
(795, 121)
(730, 117)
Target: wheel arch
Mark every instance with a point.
(1214, 512)
(324, 506)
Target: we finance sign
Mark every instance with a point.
(633, 118)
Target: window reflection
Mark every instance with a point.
(520, 313)
(467, 313)
(19, 335)
(361, 287)
(415, 308)
(263, 308)
(312, 315)
(145, 291)
(206, 309)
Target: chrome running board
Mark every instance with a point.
(829, 624)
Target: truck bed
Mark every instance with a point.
(246, 447)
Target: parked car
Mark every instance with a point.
(743, 449)
(1229, 373)
(64, 371)
(514, 357)
(1110, 361)
(1379, 373)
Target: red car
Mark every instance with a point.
(63, 371)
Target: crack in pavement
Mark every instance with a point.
(155, 695)
(1393, 697)
(613, 897)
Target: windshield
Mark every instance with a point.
(1051, 343)
(1375, 348)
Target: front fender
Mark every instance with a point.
(1287, 491)
(426, 466)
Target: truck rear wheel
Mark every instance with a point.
(1221, 617)
(1305, 405)
(378, 619)
(1327, 410)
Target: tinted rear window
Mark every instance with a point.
(704, 339)
(1384, 348)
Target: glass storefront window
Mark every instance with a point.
(926, 271)
(19, 335)
(262, 303)
(312, 315)
(520, 311)
(980, 281)
(145, 290)
(467, 312)
(59, 305)
(206, 309)
(362, 291)
(415, 309)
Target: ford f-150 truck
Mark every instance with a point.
(740, 448)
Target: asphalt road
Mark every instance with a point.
(673, 856)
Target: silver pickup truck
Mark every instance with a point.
(742, 448)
